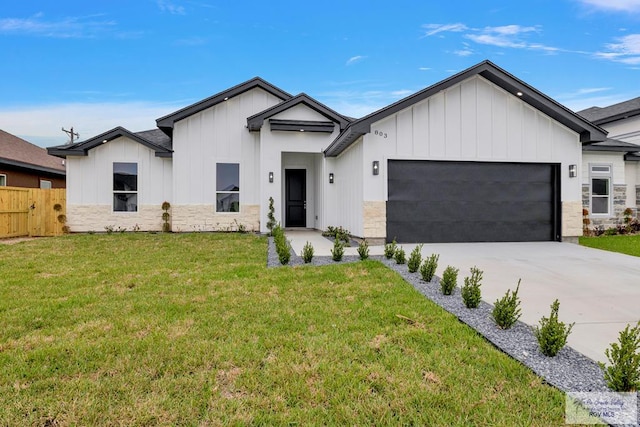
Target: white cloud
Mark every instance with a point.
(67, 27)
(502, 36)
(424, 68)
(614, 5)
(355, 59)
(463, 52)
(432, 29)
(42, 124)
(625, 50)
(170, 7)
(359, 103)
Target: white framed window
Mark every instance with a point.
(227, 187)
(125, 187)
(45, 184)
(600, 178)
(3, 180)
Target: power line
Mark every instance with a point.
(72, 135)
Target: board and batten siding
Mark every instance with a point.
(90, 187)
(344, 208)
(472, 121)
(217, 135)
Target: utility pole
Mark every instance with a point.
(72, 135)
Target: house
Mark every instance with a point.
(479, 156)
(23, 164)
(611, 168)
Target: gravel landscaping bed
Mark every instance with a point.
(569, 370)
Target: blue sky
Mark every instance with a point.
(95, 65)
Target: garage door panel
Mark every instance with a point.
(471, 201)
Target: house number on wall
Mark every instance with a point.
(380, 133)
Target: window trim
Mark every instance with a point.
(114, 191)
(226, 192)
(3, 182)
(601, 175)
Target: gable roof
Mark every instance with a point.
(16, 151)
(621, 110)
(154, 139)
(167, 122)
(255, 122)
(488, 70)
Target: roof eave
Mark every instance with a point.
(24, 165)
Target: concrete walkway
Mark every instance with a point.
(598, 290)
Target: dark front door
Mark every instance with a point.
(296, 197)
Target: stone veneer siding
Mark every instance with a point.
(83, 218)
(571, 219)
(619, 205)
(374, 219)
(188, 218)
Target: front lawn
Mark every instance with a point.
(193, 329)
(627, 244)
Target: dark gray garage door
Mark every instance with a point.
(436, 202)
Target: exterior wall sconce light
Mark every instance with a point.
(271, 177)
(376, 167)
(573, 171)
(331, 178)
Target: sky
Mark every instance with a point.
(95, 65)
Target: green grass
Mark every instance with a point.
(193, 329)
(626, 244)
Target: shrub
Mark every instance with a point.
(400, 256)
(282, 247)
(338, 250)
(166, 216)
(390, 249)
(506, 310)
(449, 280)
(363, 250)
(307, 253)
(338, 233)
(428, 267)
(471, 294)
(585, 223)
(415, 259)
(624, 356)
(611, 231)
(271, 217)
(552, 334)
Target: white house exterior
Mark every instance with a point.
(480, 156)
(611, 169)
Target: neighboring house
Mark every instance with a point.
(23, 164)
(611, 169)
(480, 156)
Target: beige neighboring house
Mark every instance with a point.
(23, 164)
(611, 168)
(479, 156)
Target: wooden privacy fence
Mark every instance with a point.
(32, 211)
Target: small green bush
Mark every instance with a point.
(271, 217)
(307, 252)
(390, 249)
(428, 267)
(624, 356)
(415, 259)
(449, 280)
(611, 231)
(282, 247)
(338, 233)
(363, 250)
(470, 291)
(506, 310)
(338, 250)
(400, 256)
(552, 334)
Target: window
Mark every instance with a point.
(3, 180)
(227, 187)
(125, 187)
(45, 184)
(600, 177)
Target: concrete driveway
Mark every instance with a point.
(598, 290)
